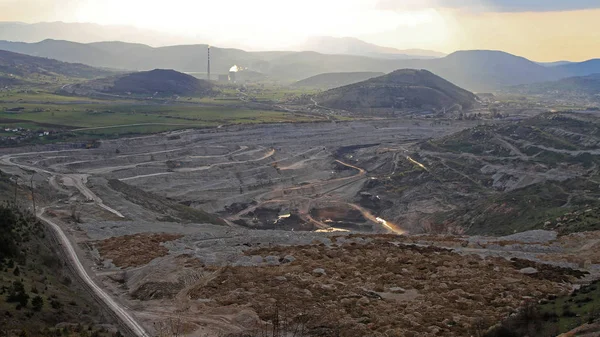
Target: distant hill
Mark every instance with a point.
(133, 56)
(486, 70)
(18, 69)
(476, 70)
(554, 64)
(86, 33)
(581, 68)
(154, 83)
(401, 89)
(334, 80)
(354, 46)
(572, 88)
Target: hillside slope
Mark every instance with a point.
(19, 68)
(156, 83)
(401, 89)
(581, 68)
(333, 80)
(486, 70)
(40, 295)
(572, 88)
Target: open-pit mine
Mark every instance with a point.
(278, 230)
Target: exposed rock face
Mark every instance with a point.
(528, 271)
(272, 260)
(319, 271)
(289, 259)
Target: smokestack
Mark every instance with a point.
(208, 68)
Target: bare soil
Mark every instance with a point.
(135, 250)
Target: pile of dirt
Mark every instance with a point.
(157, 290)
(135, 250)
(380, 288)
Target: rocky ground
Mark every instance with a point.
(352, 284)
(380, 287)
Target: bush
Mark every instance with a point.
(55, 304)
(37, 303)
(17, 294)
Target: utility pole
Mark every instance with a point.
(33, 193)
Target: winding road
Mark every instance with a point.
(119, 310)
(79, 183)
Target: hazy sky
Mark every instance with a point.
(544, 30)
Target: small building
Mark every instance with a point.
(232, 76)
(223, 78)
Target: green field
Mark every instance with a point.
(72, 117)
(93, 115)
(554, 316)
(569, 312)
(40, 96)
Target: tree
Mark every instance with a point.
(55, 304)
(37, 303)
(17, 294)
(8, 239)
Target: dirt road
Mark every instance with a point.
(112, 304)
(79, 182)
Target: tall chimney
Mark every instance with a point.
(208, 68)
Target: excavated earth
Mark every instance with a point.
(231, 230)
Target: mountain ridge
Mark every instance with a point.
(355, 46)
(84, 32)
(477, 70)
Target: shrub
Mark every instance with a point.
(37, 303)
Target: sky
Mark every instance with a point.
(542, 30)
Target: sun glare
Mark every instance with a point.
(254, 22)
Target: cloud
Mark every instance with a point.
(492, 5)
